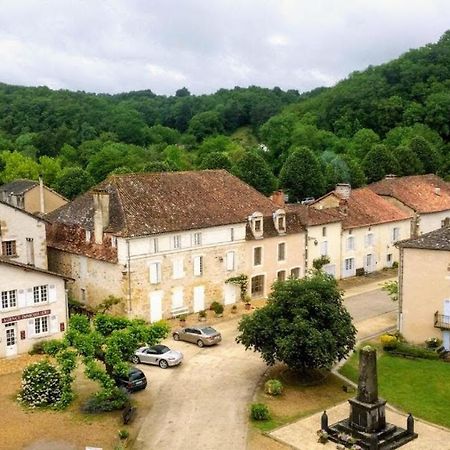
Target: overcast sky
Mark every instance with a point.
(162, 45)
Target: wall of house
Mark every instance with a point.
(425, 284)
(15, 225)
(20, 319)
(432, 221)
(270, 264)
(316, 246)
(382, 246)
(32, 200)
(94, 279)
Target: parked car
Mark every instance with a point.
(159, 355)
(198, 335)
(135, 381)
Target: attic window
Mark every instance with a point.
(88, 236)
(256, 223)
(279, 219)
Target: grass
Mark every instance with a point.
(418, 386)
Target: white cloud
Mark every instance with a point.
(120, 45)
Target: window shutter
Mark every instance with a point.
(31, 328)
(21, 298)
(54, 324)
(29, 297)
(154, 273)
(366, 240)
(197, 266)
(230, 261)
(178, 268)
(51, 293)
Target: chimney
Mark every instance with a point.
(101, 213)
(278, 198)
(343, 190)
(437, 190)
(41, 195)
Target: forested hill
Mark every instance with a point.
(394, 118)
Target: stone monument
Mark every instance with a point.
(366, 426)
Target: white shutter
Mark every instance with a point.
(21, 298)
(230, 261)
(54, 328)
(31, 328)
(197, 265)
(29, 297)
(177, 297)
(51, 293)
(155, 273)
(178, 268)
(324, 248)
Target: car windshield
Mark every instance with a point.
(135, 376)
(160, 349)
(209, 330)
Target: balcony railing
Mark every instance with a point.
(441, 321)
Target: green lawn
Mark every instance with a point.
(419, 386)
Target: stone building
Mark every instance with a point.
(167, 242)
(33, 303)
(31, 196)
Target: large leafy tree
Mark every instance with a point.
(379, 162)
(304, 324)
(302, 175)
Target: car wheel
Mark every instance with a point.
(176, 336)
(163, 364)
(135, 359)
(200, 343)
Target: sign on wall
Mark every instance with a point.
(26, 316)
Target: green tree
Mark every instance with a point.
(301, 175)
(205, 124)
(408, 161)
(73, 181)
(254, 170)
(427, 154)
(16, 165)
(216, 160)
(362, 142)
(379, 162)
(49, 168)
(304, 324)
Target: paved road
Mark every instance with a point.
(202, 403)
(369, 304)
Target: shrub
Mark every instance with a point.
(234, 308)
(53, 346)
(388, 341)
(218, 309)
(182, 317)
(214, 305)
(37, 349)
(412, 351)
(273, 387)
(123, 434)
(106, 400)
(433, 342)
(395, 265)
(41, 385)
(259, 411)
(202, 314)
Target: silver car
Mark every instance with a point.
(159, 355)
(198, 335)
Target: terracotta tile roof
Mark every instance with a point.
(417, 192)
(310, 216)
(434, 240)
(365, 208)
(27, 267)
(153, 203)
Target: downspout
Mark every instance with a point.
(400, 292)
(306, 250)
(129, 275)
(41, 195)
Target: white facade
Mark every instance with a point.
(432, 221)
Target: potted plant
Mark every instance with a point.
(218, 309)
(234, 309)
(202, 315)
(183, 318)
(247, 300)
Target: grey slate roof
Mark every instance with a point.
(18, 186)
(434, 240)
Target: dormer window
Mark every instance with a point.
(279, 220)
(256, 223)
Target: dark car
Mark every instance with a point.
(198, 335)
(135, 381)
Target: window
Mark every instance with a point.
(324, 231)
(369, 262)
(256, 221)
(197, 239)
(351, 243)
(281, 275)
(40, 294)
(279, 220)
(257, 256)
(281, 223)
(9, 299)
(324, 248)
(231, 234)
(9, 248)
(349, 264)
(177, 241)
(295, 272)
(395, 234)
(113, 241)
(198, 266)
(257, 286)
(230, 261)
(389, 259)
(30, 251)
(369, 239)
(155, 272)
(281, 251)
(258, 225)
(41, 325)
(10, 334)
(88, 236)
(155, 245)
